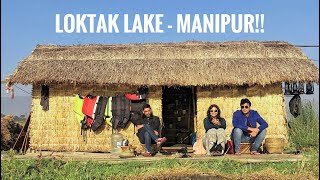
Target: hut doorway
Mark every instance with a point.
(178, 112)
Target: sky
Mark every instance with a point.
(24, 24)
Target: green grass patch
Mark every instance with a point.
(224, 168)
(304, 136)
(304, 130)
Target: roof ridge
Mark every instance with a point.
(188, 42)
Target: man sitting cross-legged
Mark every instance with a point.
(148, 130)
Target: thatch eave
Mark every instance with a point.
(190, 63)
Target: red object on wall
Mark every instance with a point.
(134, 97)
(89, 105)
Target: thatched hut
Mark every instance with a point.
(183, 80)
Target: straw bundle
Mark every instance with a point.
(245, 148)
(188, 63)
(274, 145)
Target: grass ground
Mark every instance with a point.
(163, 169)
(304, 139)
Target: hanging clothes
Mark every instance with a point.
(44, 97)
(99, 112)
(12, 93)
(295, 105)
(9, 89)
(77, 107)
(120, 112)
(108, 112)
(136, 108)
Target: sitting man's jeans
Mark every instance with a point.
(239, 136)
(146, 134)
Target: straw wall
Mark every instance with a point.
(268, 101)
(155, 100)
(58, 130)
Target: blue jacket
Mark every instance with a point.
(209, 125)
(239, 120)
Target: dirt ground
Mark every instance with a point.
(108, 157)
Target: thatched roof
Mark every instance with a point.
(189, 63)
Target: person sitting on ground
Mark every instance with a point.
(245, 127)
(148, 130)
(215, 139)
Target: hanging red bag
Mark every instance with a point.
(229, 147)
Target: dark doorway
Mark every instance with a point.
(178, 111)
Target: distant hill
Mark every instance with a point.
(20, 105)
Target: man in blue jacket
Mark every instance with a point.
(245, 127)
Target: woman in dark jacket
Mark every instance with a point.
(215, 139)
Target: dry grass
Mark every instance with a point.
(203, 174)
(188, 63)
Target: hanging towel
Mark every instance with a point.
(77, 107)
(44, 97)
(108, 113)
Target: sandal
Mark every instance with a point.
(254, 153)
(147, 154)
(160, 141)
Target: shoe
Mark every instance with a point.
(214, 148)
(147, 154)
(254, 153)
(219, 148)
(237, 153)
(216, 153)
(161, 141)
